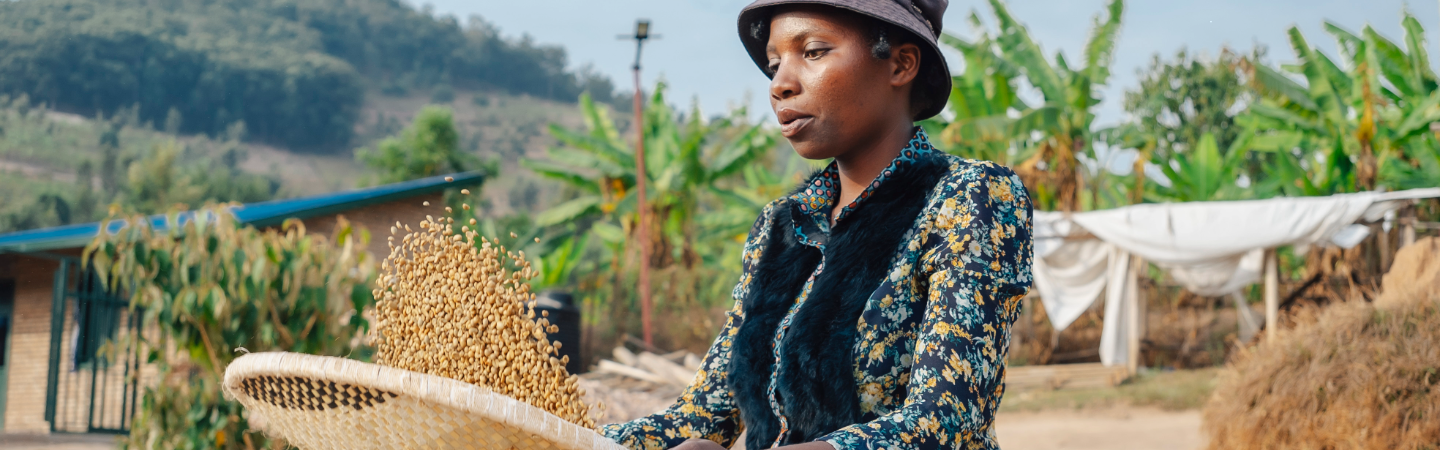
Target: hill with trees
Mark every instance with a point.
(295, 73)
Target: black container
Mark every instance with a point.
(565, 316)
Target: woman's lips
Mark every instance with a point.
(794, 125)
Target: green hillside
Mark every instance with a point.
(294, 72)
(248, 100)
(58, 168)
(46, 158)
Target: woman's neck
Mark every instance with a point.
(859, 168)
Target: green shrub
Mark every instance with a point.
(212, 287)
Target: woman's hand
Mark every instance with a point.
(698, 444)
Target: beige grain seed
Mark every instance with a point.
(480, 328)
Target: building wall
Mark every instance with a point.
(30, 338)
(30, 342)
(379, 218)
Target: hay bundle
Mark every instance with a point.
(449, 307)
(1353, 375)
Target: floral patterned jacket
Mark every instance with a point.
(914, 291)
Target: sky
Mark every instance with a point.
(699, 55)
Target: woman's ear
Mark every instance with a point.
(904, 64)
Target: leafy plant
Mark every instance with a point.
(1354, 126)
(157, 182)
(983, 99)
(700, 178)
(430, 146)
(1204, 173)
(684, 159)
(211, 288)
(1183, 98)
(1054, 134)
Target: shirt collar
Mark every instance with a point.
(823, 189)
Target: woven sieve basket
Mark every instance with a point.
(324, 403)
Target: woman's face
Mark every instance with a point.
(830, 94)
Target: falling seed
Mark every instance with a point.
(466, 206)
(537, 240)
(449, 179)
(465, 191)
(486, 334)
(512, 235)
(447, 209)
(426, 203)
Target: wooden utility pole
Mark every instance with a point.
(642, 228)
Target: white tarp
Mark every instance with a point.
(1070, 274)
(1211, 248)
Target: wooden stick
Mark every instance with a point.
(1132, 317)
(1272, 295)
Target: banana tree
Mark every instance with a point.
(1053, 135)
(982, 99)
(729, 219)
(1204, 173)
(1360, 127)
(685, 157)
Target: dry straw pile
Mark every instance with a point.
(449, 307)
(1351, 376)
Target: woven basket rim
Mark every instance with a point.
(446, 392)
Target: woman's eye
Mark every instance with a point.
(816, 53)
(774, 66)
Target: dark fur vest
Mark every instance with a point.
(816, 373)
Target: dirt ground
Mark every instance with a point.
(1117, 428)
(57, 442)
(1113, 428)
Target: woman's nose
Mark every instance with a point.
(785, 84)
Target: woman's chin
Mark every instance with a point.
(811, 149)
(813, 155)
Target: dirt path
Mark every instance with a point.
(35, 171)
(1119, 428)
(1116, 428)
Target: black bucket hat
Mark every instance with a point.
(919, 17)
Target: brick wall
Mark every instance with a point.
(379, 218)
(30, 360)
(29, 345)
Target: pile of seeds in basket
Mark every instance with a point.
(454, 304)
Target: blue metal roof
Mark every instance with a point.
(262, 214)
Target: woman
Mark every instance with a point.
(875, 304)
